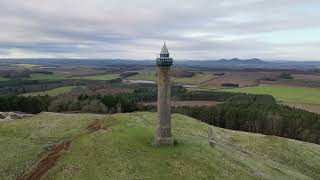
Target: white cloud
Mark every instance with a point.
(194, 29)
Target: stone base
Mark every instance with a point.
(163, 141)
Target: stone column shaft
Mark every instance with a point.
(163, 129)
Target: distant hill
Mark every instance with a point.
(88, 146)
(227, 63)
(237, 61)
(253, 63)
(234, 63)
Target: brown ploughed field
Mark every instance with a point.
(306, 106)
(243, 79)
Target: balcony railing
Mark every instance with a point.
(164, 61)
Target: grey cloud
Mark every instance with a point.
(136, 29)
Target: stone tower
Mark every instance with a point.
(163, 125)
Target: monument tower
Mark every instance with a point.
(163, 124)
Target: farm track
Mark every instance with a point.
(204, 82)
(47, 162)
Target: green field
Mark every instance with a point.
(194, 80)
(40, 76)
(283, 93)
(26, 65)
(204, 87)
(52, 92)
(147, 76)
(103, 77)
(120, 148)
(4, 79)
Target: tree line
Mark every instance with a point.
(244, 112)
(259, 114)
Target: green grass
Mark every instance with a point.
(147, 76)
(123, 150)
(40, 76)
(283, 93)
(23, 142)
(26, 65)
(52, 92)
(4, 79)
(103, 77)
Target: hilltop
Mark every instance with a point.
(89, 146)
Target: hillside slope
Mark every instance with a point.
(88, 146)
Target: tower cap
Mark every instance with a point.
(164, 49)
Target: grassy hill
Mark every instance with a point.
(89, 146)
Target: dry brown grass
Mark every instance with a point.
(244, 79)
(306, 106)
(314, 77)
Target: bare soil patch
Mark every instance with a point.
(8, 116)
(47, 162)
(95, 126)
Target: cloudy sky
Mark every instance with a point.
(136, 29)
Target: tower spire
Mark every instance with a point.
(164, 49)
(164, 59)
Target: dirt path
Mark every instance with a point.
(37, 171)
(47, 162)
(204, 82)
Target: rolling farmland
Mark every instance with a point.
(283, 93)
(52, 92)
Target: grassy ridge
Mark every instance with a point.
(122, 150)
(52, 92)
(283, 93)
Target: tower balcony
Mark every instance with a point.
(164, 61)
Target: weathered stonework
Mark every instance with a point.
(163, 134)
